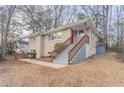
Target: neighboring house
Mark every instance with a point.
(23, 46)
(78, 41)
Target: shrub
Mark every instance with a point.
(57, 45)
(10, 48)
(100, 40)
(31, 54)
(49, 54)
(27, 55)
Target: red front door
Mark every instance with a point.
(72, 37)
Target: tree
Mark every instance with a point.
(2, 23)
(44, 18)
(109, 26)
(119, 11)
(105, 24)
(9, 10)
(81, 16)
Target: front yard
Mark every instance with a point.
(101, 70)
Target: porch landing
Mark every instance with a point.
(43, 63)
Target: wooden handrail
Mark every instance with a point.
(76, 48)
(61, 48)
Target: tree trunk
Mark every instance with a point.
(118, 41)
(122, 37)
(6, 30)
(110, 26)
(5, 34)
(105, 25)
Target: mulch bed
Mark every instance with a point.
(12, 57)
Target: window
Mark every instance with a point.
(92, 35)
(55, 36)
(80, 33)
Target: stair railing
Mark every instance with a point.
(60, 49)
(76, 48)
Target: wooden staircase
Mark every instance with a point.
(68, 51)
(76, 48)
(60, 49)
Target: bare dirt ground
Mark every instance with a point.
(100, 70)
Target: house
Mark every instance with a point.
(23, 46)
(77, 41)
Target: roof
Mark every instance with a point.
(64, 27)
(74, 25)
(69, 26)
(34, 34)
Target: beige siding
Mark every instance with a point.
(37, 45)
(87, 50)
(92, 44)
(49, 44)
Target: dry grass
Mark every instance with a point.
(100, 70)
